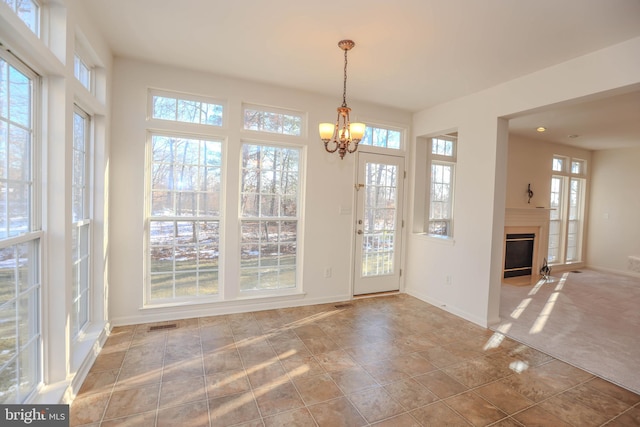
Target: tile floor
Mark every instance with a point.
(387, 361)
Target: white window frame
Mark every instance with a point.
(282, 112)
(259, 218)
(80, 64)
(184, 97)
(196, 220)
(566, 217)
(450, 161)
(13, 4)
(82, 246)
(370, 128)
(32, 239)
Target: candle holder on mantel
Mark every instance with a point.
(529, 193)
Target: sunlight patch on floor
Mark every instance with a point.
(538, 325)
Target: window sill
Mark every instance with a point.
(449, 241)
(242, 299)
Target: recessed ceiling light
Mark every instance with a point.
(541, 129)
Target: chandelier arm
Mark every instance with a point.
(355, 146)
(326, 146)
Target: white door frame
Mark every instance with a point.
(388, 280)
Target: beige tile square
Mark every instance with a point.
(298, 367)
(132, 401)
(410, 393)
(629, 418)
(178, 392)
(89, 408)
(276, 398)
(99, 382)
(178, 369)
(384, 371)
(538, 417)
(402, 420)
(412, 364)
(440, 384)
(264, 374)
(375, 404)
(298, 417)
(228, 382)
(504, 397)
(316, 389)
(194, 414)
(438, 414)
(220, 361)
(233, 409)
(336, 413)
(336, 360)
(353, 379)
(574, 412)
(613, 390)
(145, 419)
(475, 409)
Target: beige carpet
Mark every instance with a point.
(588, 319)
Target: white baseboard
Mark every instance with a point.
(627, 273)
(150, 315)
(448, 308)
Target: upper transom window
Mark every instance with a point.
(82, 72)
(382, 137)
(28, 11)
(272, 120)
(185, 108)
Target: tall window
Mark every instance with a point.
(568, 184)
(81, 221)
(442, 160)
(184, 222)
(28, 11)
(20, 234)
(269, 195)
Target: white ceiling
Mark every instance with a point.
(409, 54)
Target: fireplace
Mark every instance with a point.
(526, 236)
(518, 254)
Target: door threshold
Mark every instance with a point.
(376, 294)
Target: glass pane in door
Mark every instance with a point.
(380, 210)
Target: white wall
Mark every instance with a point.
(473, 263)
(530, 163)
(614, 222)
(327, 237)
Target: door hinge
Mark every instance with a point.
(405, 174)
(403, 223)
(400, 272)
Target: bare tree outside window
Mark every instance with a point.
(269, 217)
(185, 217)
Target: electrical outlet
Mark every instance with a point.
(327, 272)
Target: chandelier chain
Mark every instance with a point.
(344, 89)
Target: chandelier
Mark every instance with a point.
(344, 135)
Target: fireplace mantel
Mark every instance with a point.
(524, 217)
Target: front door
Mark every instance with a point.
(378, 223)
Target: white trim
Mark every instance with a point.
(226, 307)
(450, 309)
